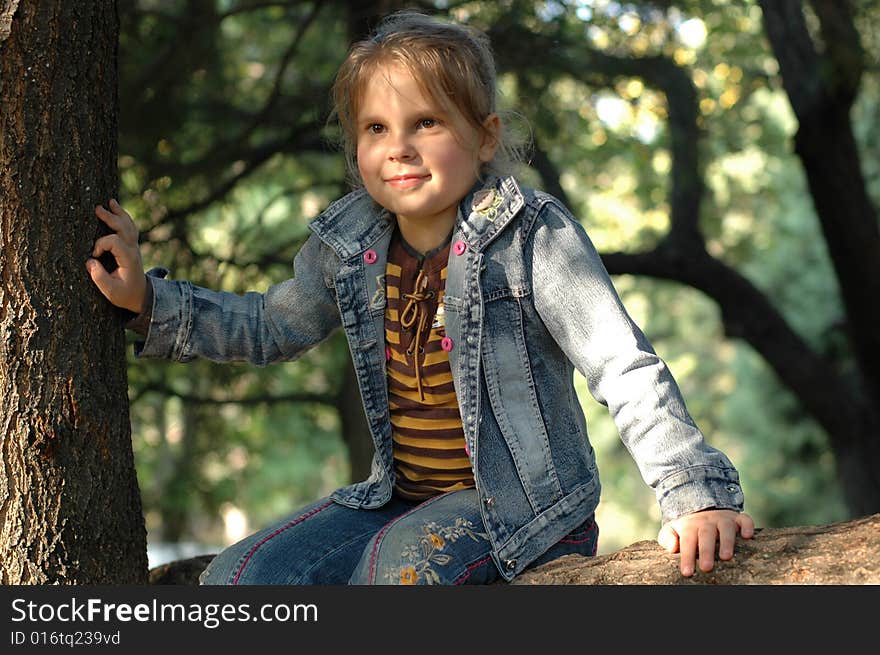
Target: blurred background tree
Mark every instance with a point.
(724, 157)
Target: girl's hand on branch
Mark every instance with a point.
(695, 535)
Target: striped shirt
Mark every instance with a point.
(428, 439)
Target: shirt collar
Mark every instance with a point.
(356, 222)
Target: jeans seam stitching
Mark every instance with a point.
(470, 567)
(587, 535)
(335, 550)
(262, 541)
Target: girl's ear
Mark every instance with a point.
(490, 138)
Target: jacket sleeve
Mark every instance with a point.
(188, 321)
(577, 302)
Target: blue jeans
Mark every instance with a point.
(438, 541)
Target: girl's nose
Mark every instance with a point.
(401, 149)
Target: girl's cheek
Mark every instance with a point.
(364, 156)
(361, 160)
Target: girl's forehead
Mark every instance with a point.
(396, 79)
(391, 76)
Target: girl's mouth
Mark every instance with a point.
(407, 181)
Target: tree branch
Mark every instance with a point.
(844, 55)
(195, 399)
(835, 554)
(596, 68)
(286, 58)
(304, 138)
(549, 173)
(799, 63)
(748, 314)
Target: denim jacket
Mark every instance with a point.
(527, 301)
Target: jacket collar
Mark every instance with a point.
(352, 224)
(487, 210)
(355, 222)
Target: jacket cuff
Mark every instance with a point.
(697, 488)
(170, 316)
(141, 322)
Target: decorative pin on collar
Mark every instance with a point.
(486, 203)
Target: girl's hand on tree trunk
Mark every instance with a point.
(127, 285)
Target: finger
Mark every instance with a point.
(707, 535)
(108, 217)
(106, 284)
(113, 244)
(726, 539)
(746, 525)
(668, 538)
(118, 220)
(118, 210)
(127, 255)
(687, 543)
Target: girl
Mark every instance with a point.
(468, 301)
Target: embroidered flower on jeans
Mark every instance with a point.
(426, 552)
(408, 575)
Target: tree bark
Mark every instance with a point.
(70, 510)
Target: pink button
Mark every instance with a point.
(387, 353)
(370, 256)
(446, 344)
(459, 247)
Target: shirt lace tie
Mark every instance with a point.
(416, 312)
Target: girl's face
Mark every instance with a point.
(415, 158)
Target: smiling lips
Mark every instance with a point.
(407, 181)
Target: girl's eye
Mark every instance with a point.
(375, 128)
(427, 123)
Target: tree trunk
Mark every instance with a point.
(69, 499)
(181, 481)
(821, 88)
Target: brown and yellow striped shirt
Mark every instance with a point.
(429, 448)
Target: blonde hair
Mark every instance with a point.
(452, 63)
